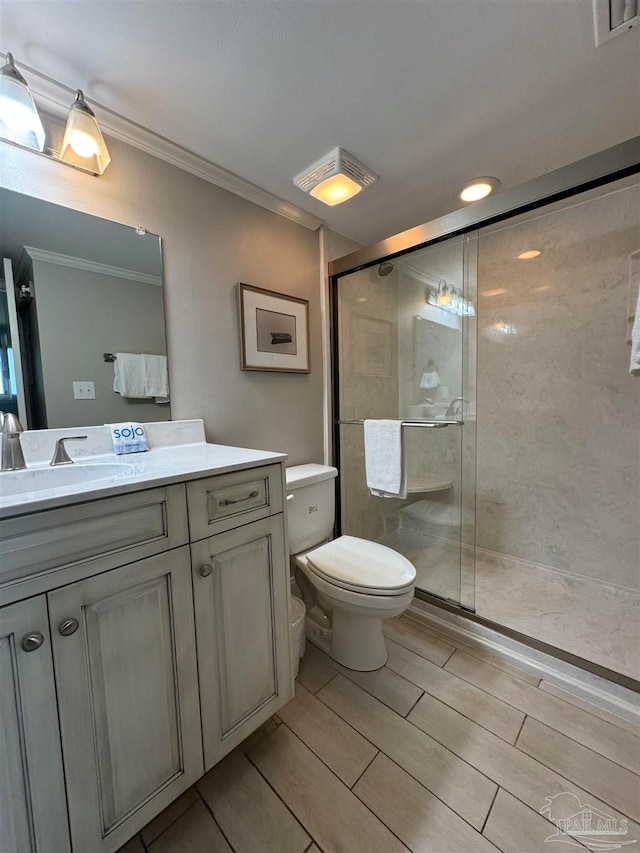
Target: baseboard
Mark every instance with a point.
(587, 686)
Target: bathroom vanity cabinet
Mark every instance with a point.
(142, 637)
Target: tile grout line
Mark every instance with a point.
(515, 743)
(268, 783)
(482, 772)
(382, 752)
(578, 743)
(479, 653)
(424, 657)
(175, 820)
(350, 725)
(321, 759)
(462, 714)
(528, 713)
(213, 817)
(532, 758)
(406, 716)
(315, 692)
(366, 690)
(484, 823)
(351, 787)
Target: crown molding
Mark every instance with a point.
(91, 266)
(56, 98)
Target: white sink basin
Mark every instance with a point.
(38, 479)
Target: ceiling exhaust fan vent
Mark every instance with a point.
(336, 161)
(614, 17)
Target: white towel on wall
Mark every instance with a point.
(141, 376)
(634, 366)
(156, 377)
(128, 375)
(384, 459)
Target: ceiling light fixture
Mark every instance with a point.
(478, 188)
(335, 178)
(19, 119)
(526, 256)
(83, 138)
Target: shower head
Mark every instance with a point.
(385, 268)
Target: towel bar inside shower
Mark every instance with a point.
(428, 424)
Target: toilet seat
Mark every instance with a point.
(362, 566)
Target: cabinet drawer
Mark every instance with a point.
(110, 531)
(221, 503)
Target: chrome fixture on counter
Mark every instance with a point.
(60, 455)
(12, 456)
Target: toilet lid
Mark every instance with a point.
(362, 565)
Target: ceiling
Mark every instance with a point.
(428, 93)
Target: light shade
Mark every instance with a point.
(335, 178)
(83, 144)
(19, 119)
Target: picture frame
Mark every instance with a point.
(274, 330)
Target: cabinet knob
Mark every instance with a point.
(206, 570)
(68, 627)
(31, 642)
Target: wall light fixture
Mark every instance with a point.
(19, 119)
(83, 145)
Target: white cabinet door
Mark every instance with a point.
(241, 589)
(33, 809)
(124, 652)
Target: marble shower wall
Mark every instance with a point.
(558, 452)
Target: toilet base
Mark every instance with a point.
(355, 642)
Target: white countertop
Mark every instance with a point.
(157, 467)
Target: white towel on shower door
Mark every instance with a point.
(384, 459)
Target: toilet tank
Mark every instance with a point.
(310, 505)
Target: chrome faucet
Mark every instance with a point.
(455, 408)
(12, 456)
(60, 455)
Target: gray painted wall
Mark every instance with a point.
(211, 239)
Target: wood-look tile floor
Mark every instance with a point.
(444, 749)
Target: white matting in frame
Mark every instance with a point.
(274, 330)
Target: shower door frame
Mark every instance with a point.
(612, 164)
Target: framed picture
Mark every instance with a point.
(274, 330)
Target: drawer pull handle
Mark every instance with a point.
(31, 642)
(206, 570)
(228, 501)
(68, 627)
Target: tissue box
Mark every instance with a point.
(128, 438)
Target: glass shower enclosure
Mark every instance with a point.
(405, 341)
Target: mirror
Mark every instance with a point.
(74, 291)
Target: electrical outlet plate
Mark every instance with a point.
(85, 390)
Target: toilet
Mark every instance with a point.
(349, 585)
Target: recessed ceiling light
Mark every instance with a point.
(478, 188)
(335, 178)
(531, 253)
(495, 292)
